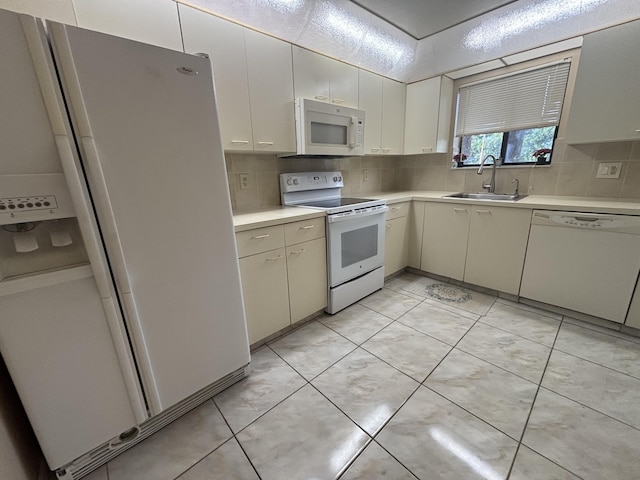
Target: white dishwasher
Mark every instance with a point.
(582, 261)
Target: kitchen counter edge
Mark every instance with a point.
(279, 215)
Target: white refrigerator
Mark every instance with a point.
(120, 299)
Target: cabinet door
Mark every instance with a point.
(307, 268)
(147, 21)
(416, 223)
(224, 42)
(265, 292)
(395, 245)
(370, 100)
(270, 74)
(428, 116)
(311, 75)
(605, 103)
(344, 84)
(393, 105)
(497, 246)
(444, 241)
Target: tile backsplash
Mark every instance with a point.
(572, 172)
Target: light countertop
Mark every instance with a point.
(280, 214)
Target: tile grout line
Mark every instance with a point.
(533, 403)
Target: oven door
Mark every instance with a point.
(355, 245)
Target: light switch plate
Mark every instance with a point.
(609, 170)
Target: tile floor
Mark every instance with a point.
(419, 380)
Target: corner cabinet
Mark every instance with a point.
(253, 78)
(480, 245)
(428, 116)
(605, 102)
(283, 273)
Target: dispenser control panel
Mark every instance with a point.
(34, 198)
(40, 202)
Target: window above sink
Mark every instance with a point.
(514, 117)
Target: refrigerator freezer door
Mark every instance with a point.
(56, 343)
(147, 123)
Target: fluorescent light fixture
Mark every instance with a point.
(492, 32)
(337, 28)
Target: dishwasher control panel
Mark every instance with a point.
(589, 221)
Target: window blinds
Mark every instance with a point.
(524, 100)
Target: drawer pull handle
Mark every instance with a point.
(388, 226)
(375, 150)
(239, 142)
(337, 100)
(298, 252)
(260, 237)
(460, 210)
(386, 150)
(395, 209)
(321, 97)
(274, 259)
(265, 143)
(483, 212)
(307, 227)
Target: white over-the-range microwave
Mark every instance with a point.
(328, 129)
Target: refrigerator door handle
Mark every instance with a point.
(101, 196)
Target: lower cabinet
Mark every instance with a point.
(444, 239)
(633, 317)
(307, 274)
(265, 292)
(396, 242)
(481, 245)
(497, 247)
(283, 269)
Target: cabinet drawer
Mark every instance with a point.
(398, 210)
(304, 230)
(259, 240)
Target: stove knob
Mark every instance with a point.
(340, 178)
(289, 181)
(295, 181)
(335, 179)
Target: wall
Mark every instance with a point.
(572, 172)
(264, 188)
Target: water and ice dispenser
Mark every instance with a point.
(38, 229)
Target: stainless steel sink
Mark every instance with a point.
(503, 197)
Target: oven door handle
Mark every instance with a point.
(355, 216)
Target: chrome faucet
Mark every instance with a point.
(491, 186)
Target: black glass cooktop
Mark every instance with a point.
(336, 202)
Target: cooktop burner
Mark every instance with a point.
(335, 202)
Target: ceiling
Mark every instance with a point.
(422, 18)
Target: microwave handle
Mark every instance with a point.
(353, 132)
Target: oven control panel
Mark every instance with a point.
(296, 182)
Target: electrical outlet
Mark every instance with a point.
(609, 170)
(244, 181)
(365, 175)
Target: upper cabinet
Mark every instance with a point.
(147, 21)
(428, 116)
(223, 41)
(393, 110)
(253, 78)
(383, 102)
(321, 78)
(270, 74)
(605, 102)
